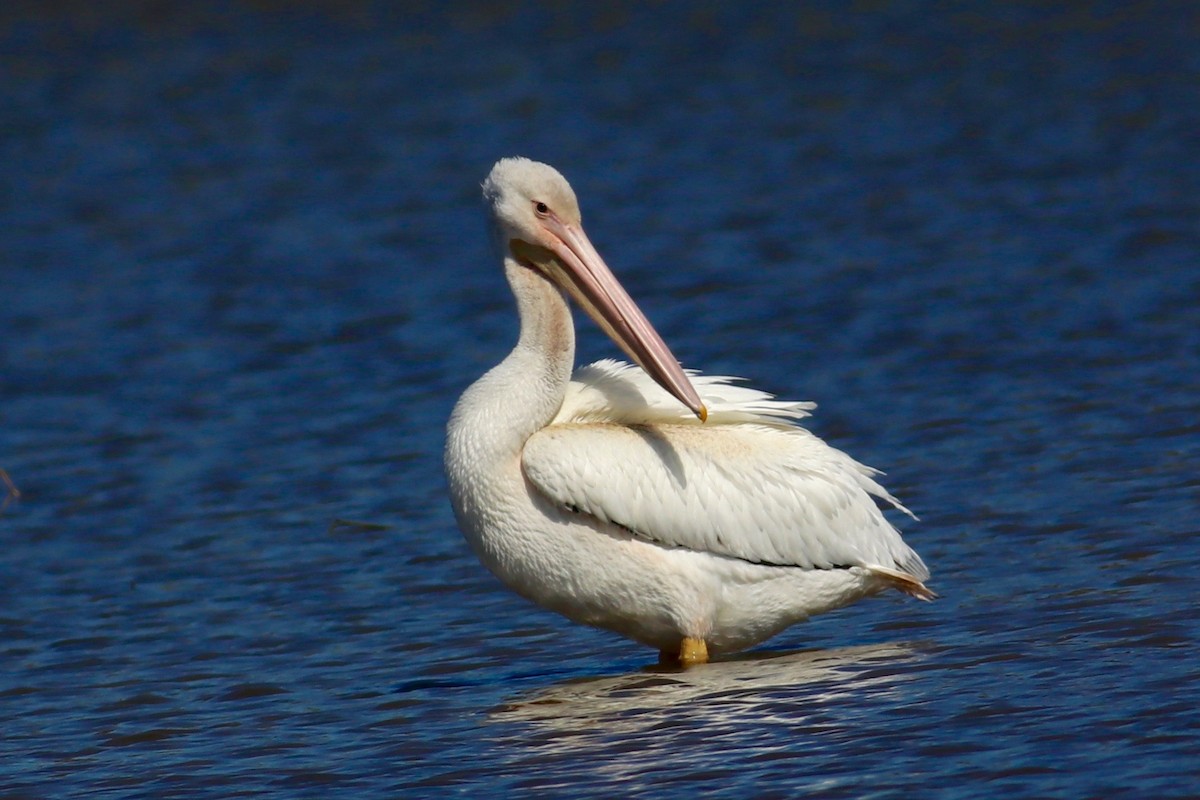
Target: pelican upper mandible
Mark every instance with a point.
(682, 511)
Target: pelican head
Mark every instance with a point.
(537, 216)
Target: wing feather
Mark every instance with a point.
(754, 491)
(613, 391)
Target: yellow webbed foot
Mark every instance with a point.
(692, 651)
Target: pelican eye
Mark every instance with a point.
(541, 208)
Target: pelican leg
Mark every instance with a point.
(692, 651)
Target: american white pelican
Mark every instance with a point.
(680, 510)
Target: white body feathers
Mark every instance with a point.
(603, 498)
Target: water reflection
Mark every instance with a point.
(719, 692)
(788, 719)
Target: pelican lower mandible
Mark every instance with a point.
(684, 511)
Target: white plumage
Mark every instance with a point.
(746, 483)
(681, 510)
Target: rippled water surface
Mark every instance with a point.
(246, 274)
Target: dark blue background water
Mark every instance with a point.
(245, 275)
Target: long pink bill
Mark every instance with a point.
(589, 280)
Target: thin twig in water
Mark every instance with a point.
(339, 524)
(11, 493)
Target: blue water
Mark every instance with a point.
(245, 275)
